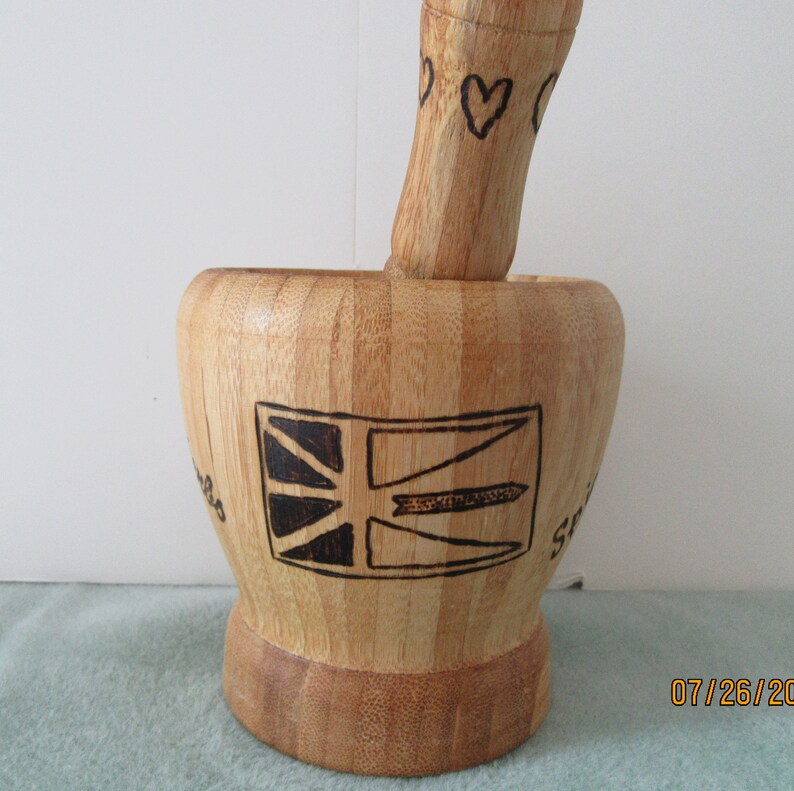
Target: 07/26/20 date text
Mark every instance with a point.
(732, 692)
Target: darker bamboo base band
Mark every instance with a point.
(385, 723)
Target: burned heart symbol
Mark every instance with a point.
(427, 68)
(543, 99)
(487, 94)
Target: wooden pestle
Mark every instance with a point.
(488, 68)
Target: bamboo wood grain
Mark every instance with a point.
(356, 344)
(395, 462)
(386, 723)
(488, 70)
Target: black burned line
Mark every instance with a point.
(429, 69)
(457, 500)
(205, 482)
(481, 132)
(548, 85)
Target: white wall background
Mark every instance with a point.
(143, 141)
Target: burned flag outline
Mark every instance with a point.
(513, 419)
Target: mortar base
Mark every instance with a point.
(400, 724)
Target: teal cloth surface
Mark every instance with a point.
(118, 687)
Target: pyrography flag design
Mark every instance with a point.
(440, 496)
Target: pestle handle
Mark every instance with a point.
(487, 71)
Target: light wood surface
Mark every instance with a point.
(395, 465)
(538, 358)
(386, 723)
(487, 73)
